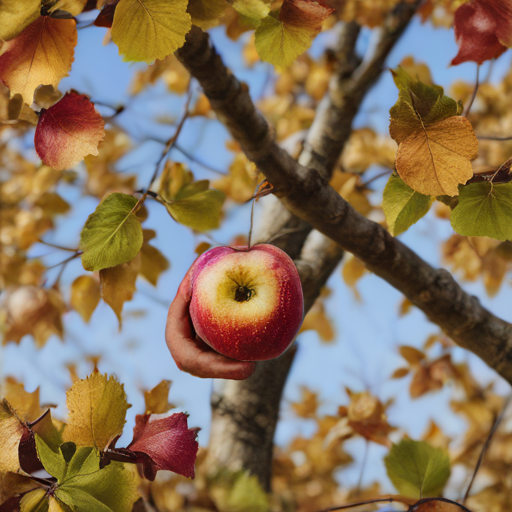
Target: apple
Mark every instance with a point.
(246, 303)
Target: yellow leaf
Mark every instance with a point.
(74, 7)
(206, 13)
(15, 16)
(24, 403)
(353, 270)
(399, 373)
(34, 501)
(41, 54)
(434, 160)
(153, 262)
(97, 410)
(240, 183)
(157, 399)
(11, 430)
(317, 319)
(252, 9)
(85, 296)
(163, 23)
(54, 505)
(308, 405)
(12, 485)
(118, 284)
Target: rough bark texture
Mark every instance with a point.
(245, 413)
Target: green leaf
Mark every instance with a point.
(280, 43)
(82, 485)
(112, 234)
(417, 469)
(252, 9)
(163, 24)
(35, 501)
(484, 209)
(402, 205)
(200, 212)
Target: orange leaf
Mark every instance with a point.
(411, 355)
(41, 55)
(68, 132)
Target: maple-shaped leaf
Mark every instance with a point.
(41, 54)
(484, 209)
(112, 234)
(153, 262)
(402, 205)
(118, 284)
(81, 484)
(483, 30)
(15, 16)
(417, 469)
(156, 400)
(166, 444)
(435, 144)
(281, 37)
(68, 131)
(85, 296)
(97, 410)
(164, 24)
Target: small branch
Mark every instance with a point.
(66, 261)
(486, 445)
(56, 246)
(375, 178)
(492, 137)
(197, 161)
(475, 90)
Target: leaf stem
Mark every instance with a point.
(475, 90)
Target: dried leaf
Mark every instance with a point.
(156, 400)
(153, 262)
(412, 355)
(11, 431)
(97, 409)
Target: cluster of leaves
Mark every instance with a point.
(83, 468)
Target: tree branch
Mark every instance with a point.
(306, 193)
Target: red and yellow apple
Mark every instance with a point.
(247, 304)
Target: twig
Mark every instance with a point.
(475, 90)
(491, 137)
(67, 260)
(56, 246)
(363, 466)
(375, 178)
(486, 445)
(197, 161)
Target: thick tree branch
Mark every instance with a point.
(307, 194)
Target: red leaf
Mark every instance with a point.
(165, 443)
(106, 16)
(68, 131)
(482, 28)
(304, 13)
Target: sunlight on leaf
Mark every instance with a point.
(97, 409)
(156, 400)
(484, 209)
(164, 24)
(417, 469)
(15, 16)
(112, 235)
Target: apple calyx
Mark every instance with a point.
(243, 294)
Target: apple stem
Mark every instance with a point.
(250, 227)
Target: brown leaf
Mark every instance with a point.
(412, 355)
(153, 262)
(41, 54)
(308, 405)
(11, 431)
(399, 373)
(118, 284)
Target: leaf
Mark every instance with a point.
(417, 469)
(239, 492)
(168, 444)
(118, 284)
(82, 485)
(436, 145)
(85, 296)
(252, 9)
(156, 400)
(69, 131)
(200, 211)
(484, 209)
(402, 205)
(15, 16)
(27, 405)
(411, 355)
(153, 262)
(97, 410)
(483, 30)
(34, 501)
(11, 430)
(400, 373)
(74, 7)
(308, 405)
(164, 24)
(41, 54)
(112, 234)
(206, 13)
(106, 16)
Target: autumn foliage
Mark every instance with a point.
(448, 152)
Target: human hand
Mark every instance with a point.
(190, 353)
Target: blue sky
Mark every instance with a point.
(368, 332)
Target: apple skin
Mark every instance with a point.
(263, 321)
